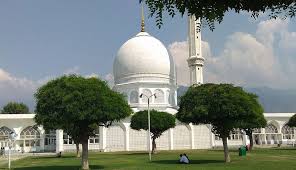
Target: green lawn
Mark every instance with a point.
(265, 159)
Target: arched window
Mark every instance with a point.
(257, 130)
(148, 93)
(134, 97)
(159, 96)
(288, 132)
(30, 133)
(235, 135)
(31, 137)
(4, 132)
(270, 128)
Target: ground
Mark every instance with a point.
(271, 159)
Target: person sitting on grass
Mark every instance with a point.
(184, 159)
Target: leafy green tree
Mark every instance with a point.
(224, 106)
(211, 11)
(15, 108)
(79, 106)
(255, 120)
(292, 121)
(160, 122)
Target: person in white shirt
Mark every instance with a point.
(184, 159)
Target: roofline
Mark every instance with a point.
(17, 116)
(278, 114)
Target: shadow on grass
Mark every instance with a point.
(53, 156)
(92, 167)
(191, 161)
(284, 149)
(133, 153)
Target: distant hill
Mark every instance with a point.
(273, 100)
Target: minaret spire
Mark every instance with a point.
(195, 60)
(142, 20)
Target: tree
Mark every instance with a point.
(224, 106)
(15, 108)
(211, 11)
(255, 120)
(160, 122)
(292, 121)
(79, 106)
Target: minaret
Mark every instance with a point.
(195, 60)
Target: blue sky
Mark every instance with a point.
(44, 39)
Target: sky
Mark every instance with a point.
(41, 40)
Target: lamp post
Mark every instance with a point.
(11, 137)
(149, 135)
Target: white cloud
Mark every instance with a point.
(110, 79)
(179, 50)
(74, 70)
(251, 60)
(18, 89)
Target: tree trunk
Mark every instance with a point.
(153, 146)
(77, 150)
(84, 159)
(251, 141)
(226, 151)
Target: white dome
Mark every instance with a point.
(143, 58)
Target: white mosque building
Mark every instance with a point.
(143, 65)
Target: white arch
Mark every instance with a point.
(4, 132)
(134, 97)
(148, 93)
(275, 123)
(159, 96)
(271, 128)
(30, 133)
(115, 137)
(288, 132)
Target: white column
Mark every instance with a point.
(212, 136)
(126, 137)
(245, 142)
(192, 136)
(103, 141)
(213, 140)
(42, 138)
(171, 139)
(59, 141)
(264, 136)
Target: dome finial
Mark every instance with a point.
(142, 20)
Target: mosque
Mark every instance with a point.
(144, 66)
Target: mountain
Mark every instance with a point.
(273, 100)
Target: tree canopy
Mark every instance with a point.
(211, 11)
(292, 121)
(15, 108)
(255, 120)
(224, 106)
(79, 106)
(160, 122)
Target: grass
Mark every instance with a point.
(265, 159)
